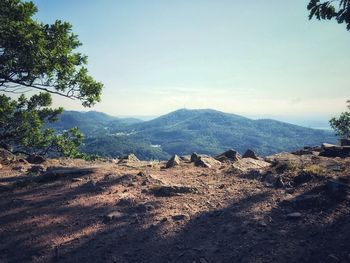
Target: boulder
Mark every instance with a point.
(185, 158)
(129, 158)
(173, 161)
(250, 154)
(246, 164)
(230, 155)
(307, 150)
(206, 161)
(6, 156)
(35, 159)
(344, 142)
(194, 157)
(331, 150)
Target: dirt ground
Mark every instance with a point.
(144, 213)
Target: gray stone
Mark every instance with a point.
(207, 162)
(330, 150)
(174, 161)
(230, 155)
(250, 154)
(344, 142)
(141, 174)
(113, 216)
(194, 157)
(129, 158)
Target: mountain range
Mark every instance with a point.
(185, 131)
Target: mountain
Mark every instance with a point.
(185, 131)
(91, 123)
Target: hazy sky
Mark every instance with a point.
(253, 58)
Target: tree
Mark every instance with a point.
(38, 56)
(42, 57)
(333, 9)
(22, 125)
(341, 125)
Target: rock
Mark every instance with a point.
(141, 174)
(247, 164)
(174, 161)
(172, 190)
(330, 150)
(129, 158)
(295, 215)
(35, 159)
(185, 158)
(302, 152)
(206, 162)
(6, 157)
(194, 157)
(344, 142)
(113, 216)
(230, 155)
(36, 169)
(250, 154)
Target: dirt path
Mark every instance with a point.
(182, 214)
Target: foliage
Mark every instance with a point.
(341, 125)
(22, 126)
(38, 56)
(334, 9)
(41, 57)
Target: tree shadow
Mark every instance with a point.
(255, 228)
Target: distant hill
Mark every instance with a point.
(186, 131)
(91, 123)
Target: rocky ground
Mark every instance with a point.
(286, 208)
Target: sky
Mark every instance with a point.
(255, 58)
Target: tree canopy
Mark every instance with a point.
(22, 125)
(41, 56)
(341, 125)
(333, 9)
